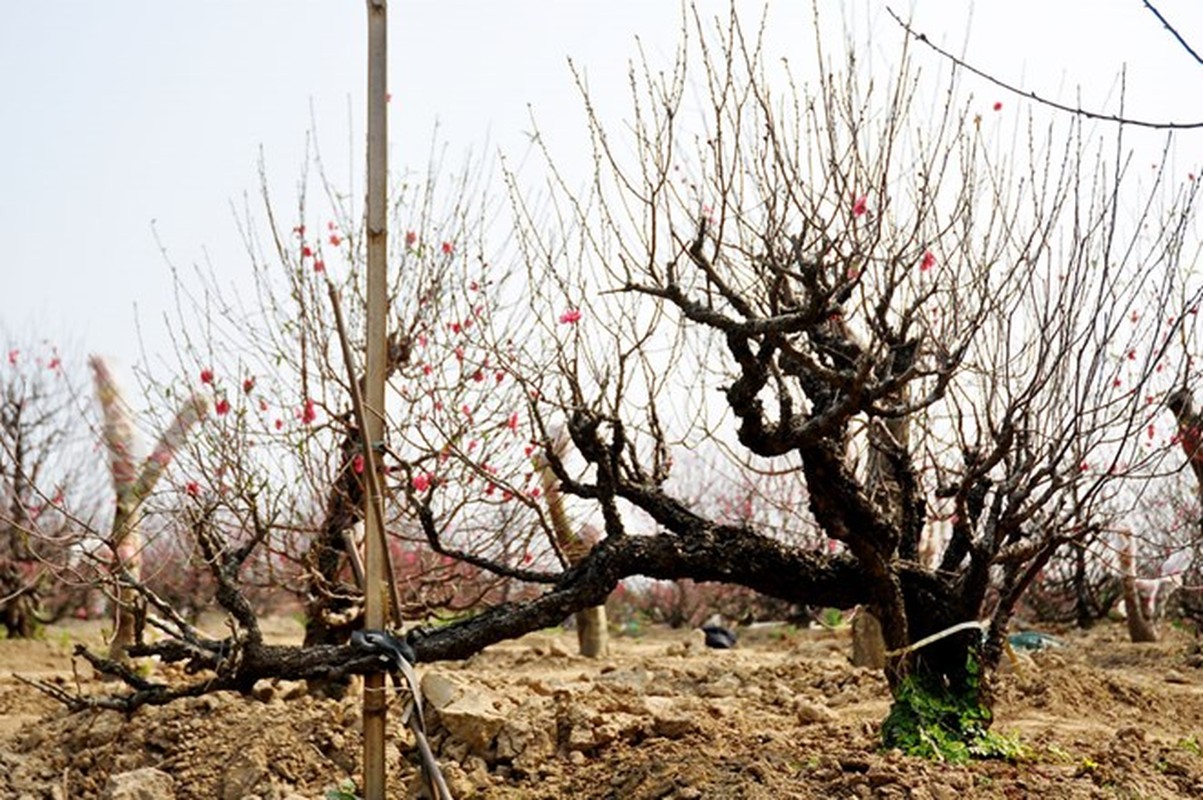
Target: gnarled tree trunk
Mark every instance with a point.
(884, 485)
(334, 608)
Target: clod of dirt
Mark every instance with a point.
(810, 713)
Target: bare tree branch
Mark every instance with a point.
(1013, 89)
(1173, 31)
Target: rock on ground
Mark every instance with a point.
(141, 784)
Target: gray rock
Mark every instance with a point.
(140, 784)
(469, 713)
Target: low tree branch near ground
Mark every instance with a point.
(237, 662)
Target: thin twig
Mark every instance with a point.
(1173, 32)
(369, 458)
(1075, 110)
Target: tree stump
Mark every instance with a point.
(592, 636)
(868, 645)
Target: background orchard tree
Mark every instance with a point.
(1176, 514)
(1078, 586)
(275, 473)
(267, 491)
(133, 481)
(1149, 567)
(45, 469)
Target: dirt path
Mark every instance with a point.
(782, 716)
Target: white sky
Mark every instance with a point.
(122, 113)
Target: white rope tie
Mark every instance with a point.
(935, 637)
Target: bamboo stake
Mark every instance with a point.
(436, 783)
(375, 707)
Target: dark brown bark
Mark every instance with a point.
(334, 606)
(238, 662)
(1190, 435)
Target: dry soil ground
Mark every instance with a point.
(782, 716)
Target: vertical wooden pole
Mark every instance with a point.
(376, 584)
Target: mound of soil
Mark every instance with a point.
(783, 715)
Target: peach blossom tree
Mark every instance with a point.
(950, 350)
